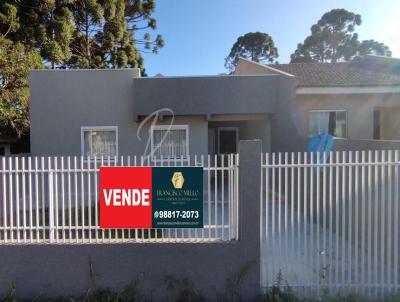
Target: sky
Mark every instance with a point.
(199, 34)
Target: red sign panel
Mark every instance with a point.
(125, 197)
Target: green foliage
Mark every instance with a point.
(11, 296)
(67, 33)
(9, 22)
(182, 290)
(278, 292)
(334, 39)
(256, 46)
(82, 33)
(15, 62)
(368, 47)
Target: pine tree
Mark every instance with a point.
(15, 62)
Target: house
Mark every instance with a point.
(357, 100)
(117, 112)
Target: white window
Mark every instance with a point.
(99, 141)
(333, 122)
(170, 142)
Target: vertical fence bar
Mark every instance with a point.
(396, 221)
(11, 196)
(5, 172)
(82, 199)
(364, 191)
(382, 210)
(356, 203)
(324, 251)
(69, 199)
(62, 200)
(50, 200)
(330, 249)
(286, 217)
(236, 194)
(343, 256)
(76, 198)
(370, 222)
(56, 208)
(293, 180)
(23, 174)
(37, 210)
(350, 226)
(376, 223)
(389, 221)
(337, 220)
(30, 193)
(299, 208)
(17, 200)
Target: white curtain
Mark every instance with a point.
(100, 143)
(169, 144)
(323, 122)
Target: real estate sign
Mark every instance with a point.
(151, 197)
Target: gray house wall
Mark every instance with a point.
(207, 95)
(230, 95)
(64, 101)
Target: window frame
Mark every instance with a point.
(170, 128)
(329, 110)
(236, 129)
(99, 128)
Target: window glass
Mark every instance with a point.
(331, 122)
(170, 143)
(100, 143)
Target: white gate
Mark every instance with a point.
(330, 222)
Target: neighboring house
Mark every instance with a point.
(106, 113)
(354, 100)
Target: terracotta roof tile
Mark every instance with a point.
(336, 74)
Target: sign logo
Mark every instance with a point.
(151, 197)
(178, 180)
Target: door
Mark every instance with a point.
(228, 138)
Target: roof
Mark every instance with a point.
(346, 74)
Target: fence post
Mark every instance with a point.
(51, 202)
(249, 208)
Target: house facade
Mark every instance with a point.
(356, 100)
(117, 112)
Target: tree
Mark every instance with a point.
(106, 32)
(83, 33)
(334, 39)
(330, 39)
(372, 47)
(46, 25)
(257, 46)
(15, 62)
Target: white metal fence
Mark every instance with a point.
(55, 200)
(330, 221)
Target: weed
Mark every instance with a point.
(182, 290)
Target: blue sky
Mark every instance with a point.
(199, 33)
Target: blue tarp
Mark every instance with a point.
(321, 143)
